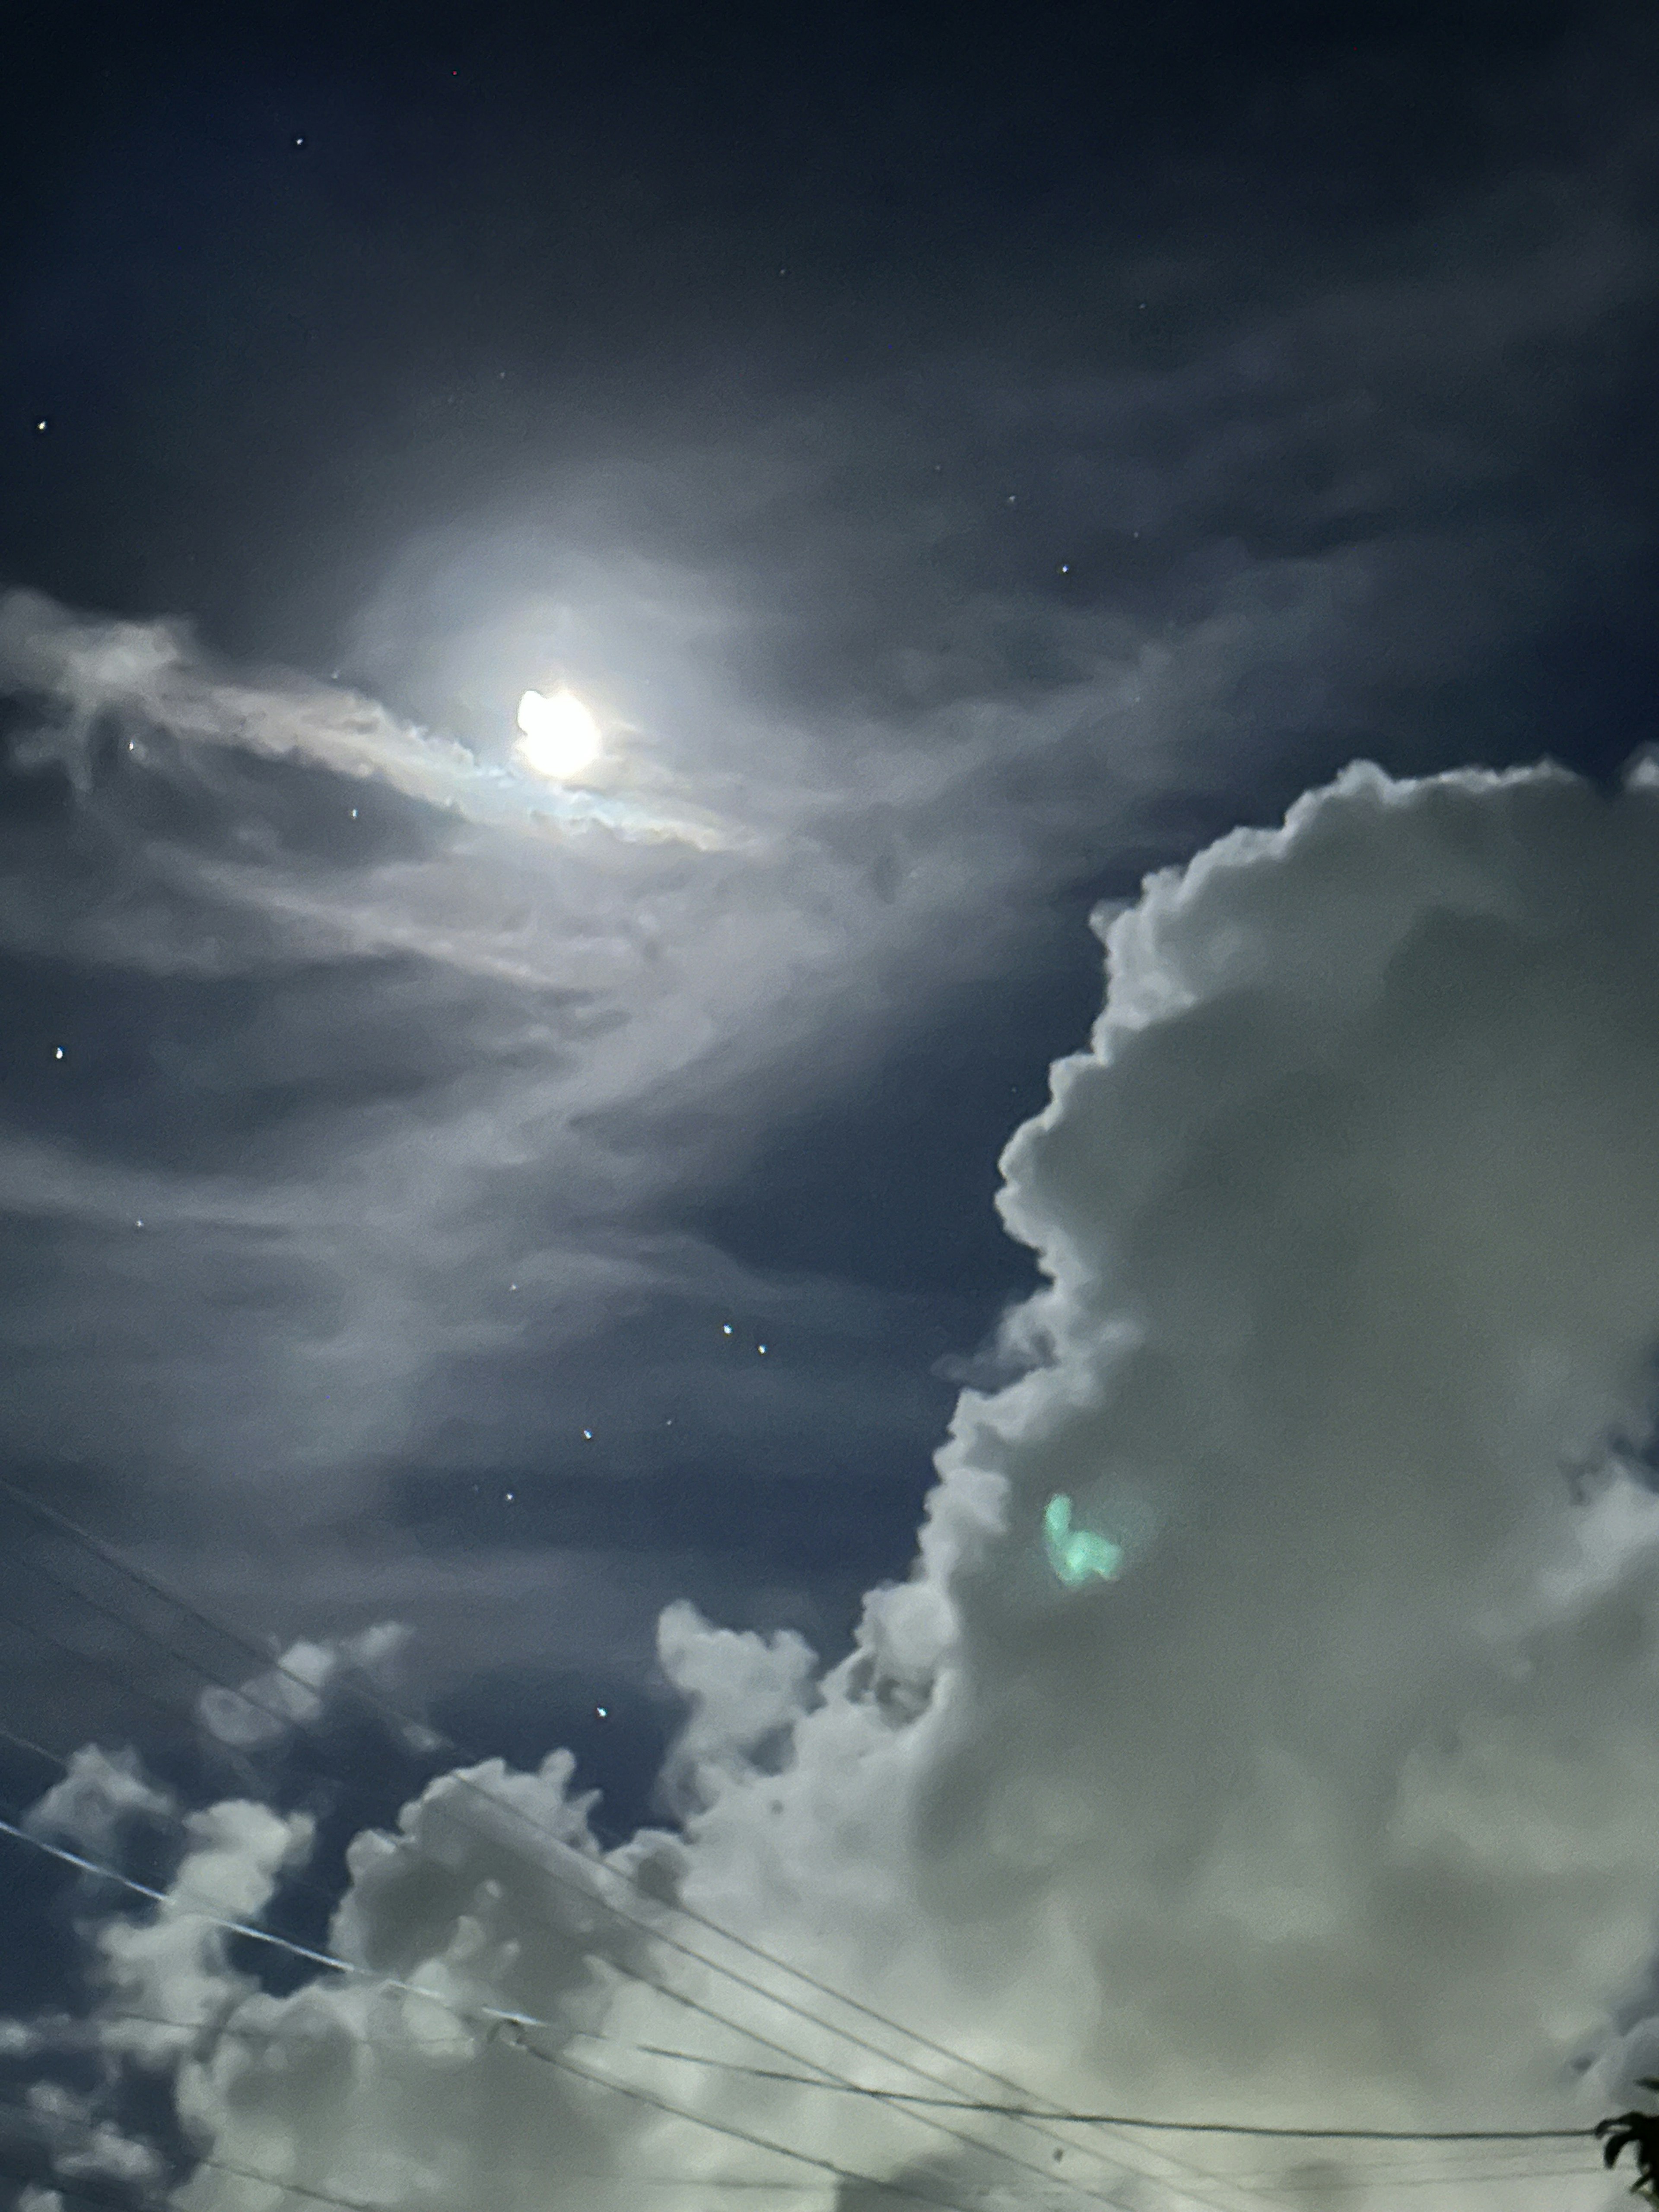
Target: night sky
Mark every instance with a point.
(966, 462)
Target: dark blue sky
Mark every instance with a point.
(986, 454)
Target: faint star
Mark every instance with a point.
(58, 1054)
(41, 424)
(588, 1433)
(760, 1348)
(725, 1325)
(507, 1496)
(604, 1711)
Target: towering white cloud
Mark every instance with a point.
(1338, 1799)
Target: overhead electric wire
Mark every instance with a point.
(120, 2203)
(744, 2135)
(499, 2017)
(522, 2022)
(1032, 2119)
(364, 1692)
(1481, 2138)
(1042, 2118)
(1291, 2187)
(37, 1750)
(1159, 2126)
(244, 1928)
(831, 2167)
(107, 1666)
(1041, 2115)
(502, 2017)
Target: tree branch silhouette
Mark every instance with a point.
(1636, 2132)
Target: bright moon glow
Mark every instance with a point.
(1076, 1554)
(559, 738)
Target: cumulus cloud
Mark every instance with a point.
(1336, 1803)
(100, 1790)
(292, 1691)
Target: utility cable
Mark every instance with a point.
(501, 2017)
(1029, 2119)
(1032, 2117)
(494, 2016)
(113, 2202)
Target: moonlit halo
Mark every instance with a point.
(558, 736)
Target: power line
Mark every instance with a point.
(1137, 2120)
(1290, 2186)
(1042, 2116)
(365, 1692)
(1033, 2118)
(120, 2204)
(498, 2017)
(744, 2135)
(571, 2174)
(237, 1764)
(913, 2102)
(244, 1928)
(662, 2105)
(517, 2027)
(301, 2034)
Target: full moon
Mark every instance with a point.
(558, 736)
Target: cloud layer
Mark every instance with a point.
(1338, 1802)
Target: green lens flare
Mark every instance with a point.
(1076, 1554)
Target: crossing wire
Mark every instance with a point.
(1031, 2116)
(916, 2105)
(1029, 2111)
(1522, 2138)
(500, 2018)
(517, 2022)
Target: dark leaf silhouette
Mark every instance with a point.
(1638, 2131)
